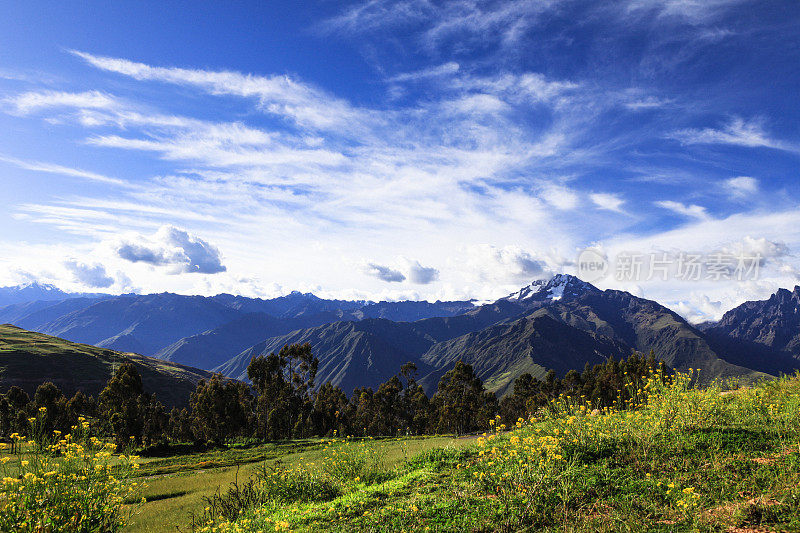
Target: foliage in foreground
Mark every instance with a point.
(74, 483)
(681, 459)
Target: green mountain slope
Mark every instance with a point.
(28, 359)
(534, 344)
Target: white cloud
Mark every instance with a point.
(737, 132)
(608, 201)
(444, 69)
(30, 102)
(93, 276)
(560, 197)
(503, 22)
(690, 211)
(427, 181)
(50, 168)
(741, 187)
(420, 274)
(280, 95)
(383, 273)
(692, 11)
(506, 266)
(173, 248)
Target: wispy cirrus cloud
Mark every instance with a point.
(692, 11)
(50, 168)
(445, 69)
(280, 95)
(33, 101)
(737, 132)
(504, 21)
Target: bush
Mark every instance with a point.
(72, 484)
(276, 485)
(355, 461)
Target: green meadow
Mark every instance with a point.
(677, 459)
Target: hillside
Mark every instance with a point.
(28, 359)
(351, 354)
(764, 333)
(534, 344)
(680, 459)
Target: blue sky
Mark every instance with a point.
(407, 149)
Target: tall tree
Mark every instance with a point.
(220, 409)
(285, 385)
(120, 405)
(461, 402)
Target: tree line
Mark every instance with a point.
(283, 401)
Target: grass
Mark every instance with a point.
(176, 485)
(680, 459)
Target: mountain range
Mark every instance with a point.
(558, 324)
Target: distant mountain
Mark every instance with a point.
(559, 324)
(292, 305)
(351, 354)
(558, 287)
(196, 330)
(645, 325)
(28, 359)
(412, 311)
(143, 324)
(534, 344)
(213, 347)
(34, 292)
(34, 315)
(763, 334)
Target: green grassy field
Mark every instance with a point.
(683, 460)
(177, 484)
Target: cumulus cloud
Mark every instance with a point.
(762, 247)
(93, 275)
(422, 275)
(384, 273)
(506, 265)
(174, 248)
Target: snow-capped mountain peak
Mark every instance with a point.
(556, 288)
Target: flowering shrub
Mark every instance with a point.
(533, 467)
(73, 483)
(353, 460)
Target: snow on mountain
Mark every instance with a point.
(554, 289)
